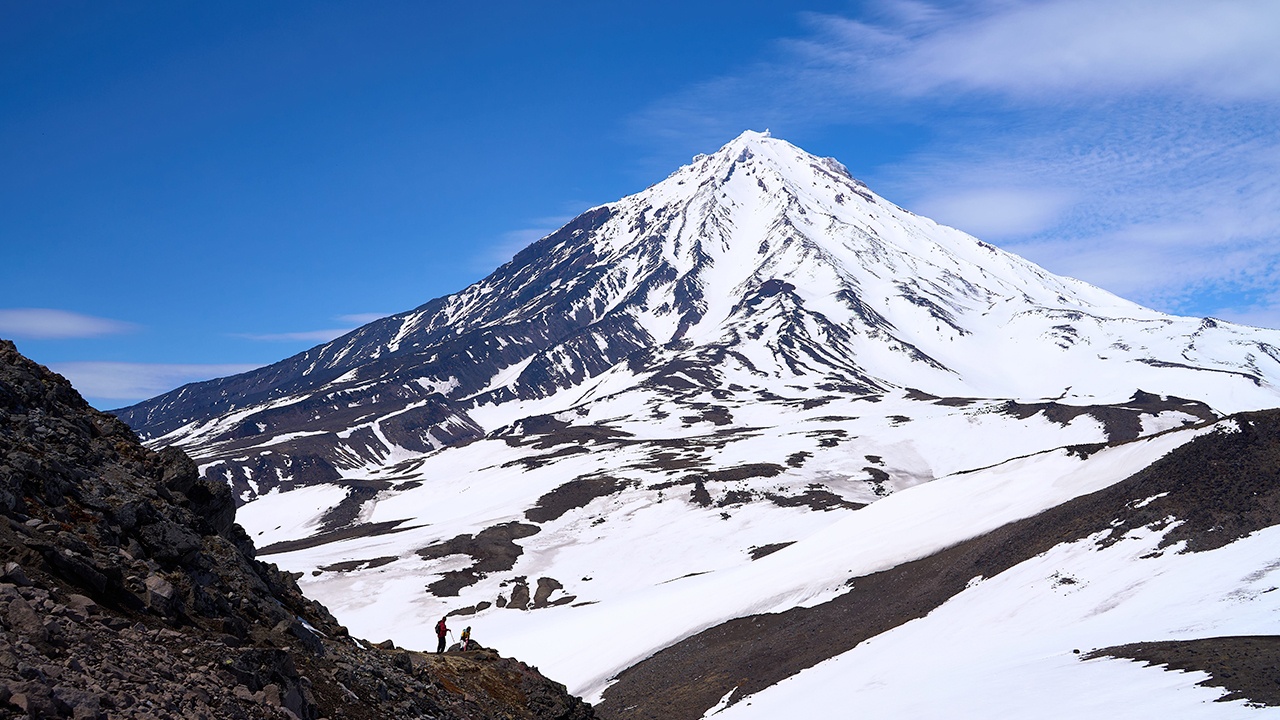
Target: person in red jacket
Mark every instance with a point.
(441, 630)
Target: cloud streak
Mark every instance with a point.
(354, 320)
(1052, 50)
(50, 324)
(510, 243)
(998, 212)
(319, 336)
(126, 382)
(361, 318)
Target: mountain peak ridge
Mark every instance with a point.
(760, 258)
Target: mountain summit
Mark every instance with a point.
(757, 267)
(753, 415)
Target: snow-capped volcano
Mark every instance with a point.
(743, 360)
(753, 269)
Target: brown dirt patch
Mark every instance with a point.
(494, 550)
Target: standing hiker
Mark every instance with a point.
(441, 630)
(466, 638)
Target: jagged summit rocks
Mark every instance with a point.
(129, 591)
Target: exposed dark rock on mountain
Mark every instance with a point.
(128, 590)
(1207, 493)
(1249, 666)
(493, 549)
(1121, 421)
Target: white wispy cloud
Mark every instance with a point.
(361, 318)
(351, 321)
(998, 212)
(50, 324)
(1167, 216)
(1130, 143)
(124, 381)
(510, 243)
(321, 336)
(1225, 49)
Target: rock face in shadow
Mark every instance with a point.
(128, 590)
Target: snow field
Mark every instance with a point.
(1005, 647)
(639, 556)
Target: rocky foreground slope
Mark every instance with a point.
(128, 590)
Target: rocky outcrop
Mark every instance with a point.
(128, 590)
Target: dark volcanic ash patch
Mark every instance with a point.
(1122, 421)
(759, 552)
(1248, 666)
(544, 432)
(349, 565)
(743, 472)
(797, 459)
(814, 499)
(347, 511)
(1223, 485)
(571, 496)
(494, 550)
(351, 531)
(708, 413)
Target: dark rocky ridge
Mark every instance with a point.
(1221, 486)
(129, 591)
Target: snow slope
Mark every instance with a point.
(1006, 646)
(643, 560)
(727, 395)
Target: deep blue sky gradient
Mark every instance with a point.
(221, 175)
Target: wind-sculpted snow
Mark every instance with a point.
(664, 414)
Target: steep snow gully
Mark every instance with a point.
(757, 438)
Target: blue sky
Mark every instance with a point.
(193, 189)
